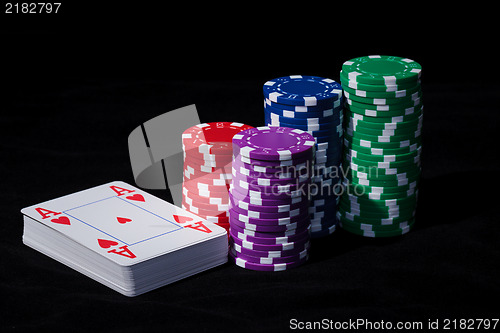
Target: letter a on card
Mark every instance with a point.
(120, 190)
(124, 251)
(199, 226)
(46, 213)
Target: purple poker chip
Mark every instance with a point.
(266, 181)
(273, 143)
(297, 169)
(271, 193)
(268, 247)
(271, 261)
(266, 267)
(272, 215)
(267, 208)
(269, 254)
(270, 228)
(275, 188)
(273, 201)
(257, 171)
(269, 240)
(272, 221)
(271, 164)
(267, 234)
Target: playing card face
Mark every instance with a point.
(123, 223)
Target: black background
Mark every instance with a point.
(75, 84)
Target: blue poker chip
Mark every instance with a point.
(297, 108)
(302, 90)
(313, 129)
(304, 115)
(334, 119)
(330, 139)
(321, 223)
(332, 131)
(333, 145)
(323, 208)
(324, 232)
(303, 126)
(325, 132)
(329, 154)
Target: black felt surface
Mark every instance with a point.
(65, 126)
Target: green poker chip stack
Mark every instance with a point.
(382, 145)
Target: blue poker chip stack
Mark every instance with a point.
(313, 104)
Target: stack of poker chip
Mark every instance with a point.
(207, 175)
(269, 214)
(312, 104)
(382, 138)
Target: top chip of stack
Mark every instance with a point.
(302, 90)
(207, 169)
(382, 145)
(312, 104)
(269, 219)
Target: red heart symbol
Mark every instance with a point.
(62, 220)
(136, 197)
(106, 244)
(123, 220)
(182, 219)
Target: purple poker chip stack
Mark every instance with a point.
(269, 198)
(313, 104)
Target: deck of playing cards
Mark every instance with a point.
(124, 238)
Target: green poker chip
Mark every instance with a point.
(410, 200)
(384, 145)
(346, 83)
(375, 174)
(381, 183)
(377, 216)
(383, 94)
(402, 131)
(399, 165)
(360, 189)
(385, 196)
(381, 151)
(384, 211)
(355, 116)
(383, 158)
(384, 101)
(401, 112)
(382, 174)
(402, 209)
(383, 138)
(407, 103)
(376, 234)
(378, 182)
(377, 223)
(372, 128)
(382, 69)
